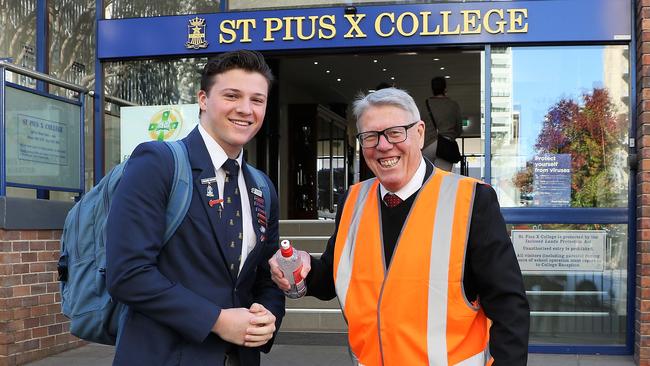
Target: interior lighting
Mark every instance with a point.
(436, 59)
(447, 77)
(442, 68)
(383, 69)
(327, 71)
(338, 79)
(315, 62)
(375, 61)
(392, 78)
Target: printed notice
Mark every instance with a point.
(560, 251)
(42, 141)
(552, 180)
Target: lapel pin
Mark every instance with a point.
(209, 180)
(256, 192)
(209, 192)
(214, 202)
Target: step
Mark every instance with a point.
(306, 227)
(313, 303)
(313, 320)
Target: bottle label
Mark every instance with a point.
(296, 275)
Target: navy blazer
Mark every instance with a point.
(175, 291)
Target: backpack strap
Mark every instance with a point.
(435, 125)
(181, 193)
(260, 181)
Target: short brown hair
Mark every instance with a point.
(251, 61)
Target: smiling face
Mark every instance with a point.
(234, 107)
(393, 164)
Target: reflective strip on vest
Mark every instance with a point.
(388, 312)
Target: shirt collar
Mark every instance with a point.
(217, 154)
(412, 186)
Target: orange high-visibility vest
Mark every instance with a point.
(416, 312)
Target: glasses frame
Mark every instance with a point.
(383, 133)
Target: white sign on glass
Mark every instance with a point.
(560, 250)
(155, 123)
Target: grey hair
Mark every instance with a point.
(388, 96)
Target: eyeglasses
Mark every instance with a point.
(394, 135)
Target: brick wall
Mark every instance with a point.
(642, 306)
(31, 324)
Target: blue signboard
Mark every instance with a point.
(368, 26)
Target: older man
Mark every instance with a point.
(421, 260)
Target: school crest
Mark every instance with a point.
(196, 34)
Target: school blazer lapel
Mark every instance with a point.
(258, 216)
(202, 169)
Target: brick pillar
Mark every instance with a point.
(31, 324)
(642, 306)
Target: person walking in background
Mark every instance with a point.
(446, 121)
(205, 297)
(420, 259)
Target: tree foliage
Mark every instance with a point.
(592, 134)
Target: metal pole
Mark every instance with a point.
(486, 112)
(41, 62)
(3, 132)
(98, 106)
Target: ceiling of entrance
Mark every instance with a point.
(329, 79)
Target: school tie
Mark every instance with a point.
(392, 200)
(232, 217)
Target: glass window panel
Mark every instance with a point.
(18, 37)
(72, 41)
(560, 121)
(148, 82)
(583, 303)
(114, 9)
(42, 140)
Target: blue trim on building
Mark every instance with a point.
(487, 115)
(41, 59)
(98, 106)
(565, 215)
(41, 42)
(3, 135)
(579, 350)
(82, 144)
(471, 23)
(631, 234)
(49, 188)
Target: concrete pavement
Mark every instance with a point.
(313, 355)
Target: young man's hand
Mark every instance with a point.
(278, 277)
(232, 323)
(262, 326)
(252, 327)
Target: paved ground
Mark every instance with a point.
(293, 355)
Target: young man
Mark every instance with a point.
(205, 297)
(420, 259)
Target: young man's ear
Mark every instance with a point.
(203, 99)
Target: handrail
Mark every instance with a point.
(44, 77)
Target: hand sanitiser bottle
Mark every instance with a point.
(291, 265)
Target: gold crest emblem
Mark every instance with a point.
(196, 34)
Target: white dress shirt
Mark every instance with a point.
(218, 157)
(412, 186)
